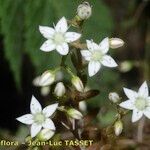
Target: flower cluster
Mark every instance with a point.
(95, 55)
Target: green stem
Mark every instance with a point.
(63, 60)
(69, 71)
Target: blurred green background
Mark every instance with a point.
(21, 59)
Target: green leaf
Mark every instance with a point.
(39, 12)
(12, 30)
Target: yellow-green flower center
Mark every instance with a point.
(39, 118)
(141, 103)
(59, 38)
(97, 55)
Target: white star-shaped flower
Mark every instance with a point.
(39, 118)
(139, 102)
(58, 37)
(96, 55)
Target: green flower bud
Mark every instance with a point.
(45, 90)
(126, 66)
(77, 83)
(118, 127)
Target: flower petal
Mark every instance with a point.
(47, 32)
(148, 101)
(143, 90)
(130, 93)
(104, 45)
(48, 124)
(35, 106)
(63, 49)
(62, 26)
(35, 129)
(136, 115)
(86, 54)
(26, 119)
(108, 61)
(91, 45)
(48, 46)
(147, 112)
(93, 67)
(129, 104)
(72, 36)
(49, 110)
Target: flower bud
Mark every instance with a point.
(75, 114)
(36, 81)
(126, 66)
(115, 43)
(114, 97)
(59, 76)
(47, 78)
(83, 106)
(118, 127)
(77, 83)
(45, 90)
(45, 134)
(59, 89)
(84, 10)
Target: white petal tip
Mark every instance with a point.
(91, 75)
(40, 28)
(134, 120)
(145, 82)
(124, 89)
(116, 65)
(42, 49)
(17, 119)
(56, 104)
(63, 18)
